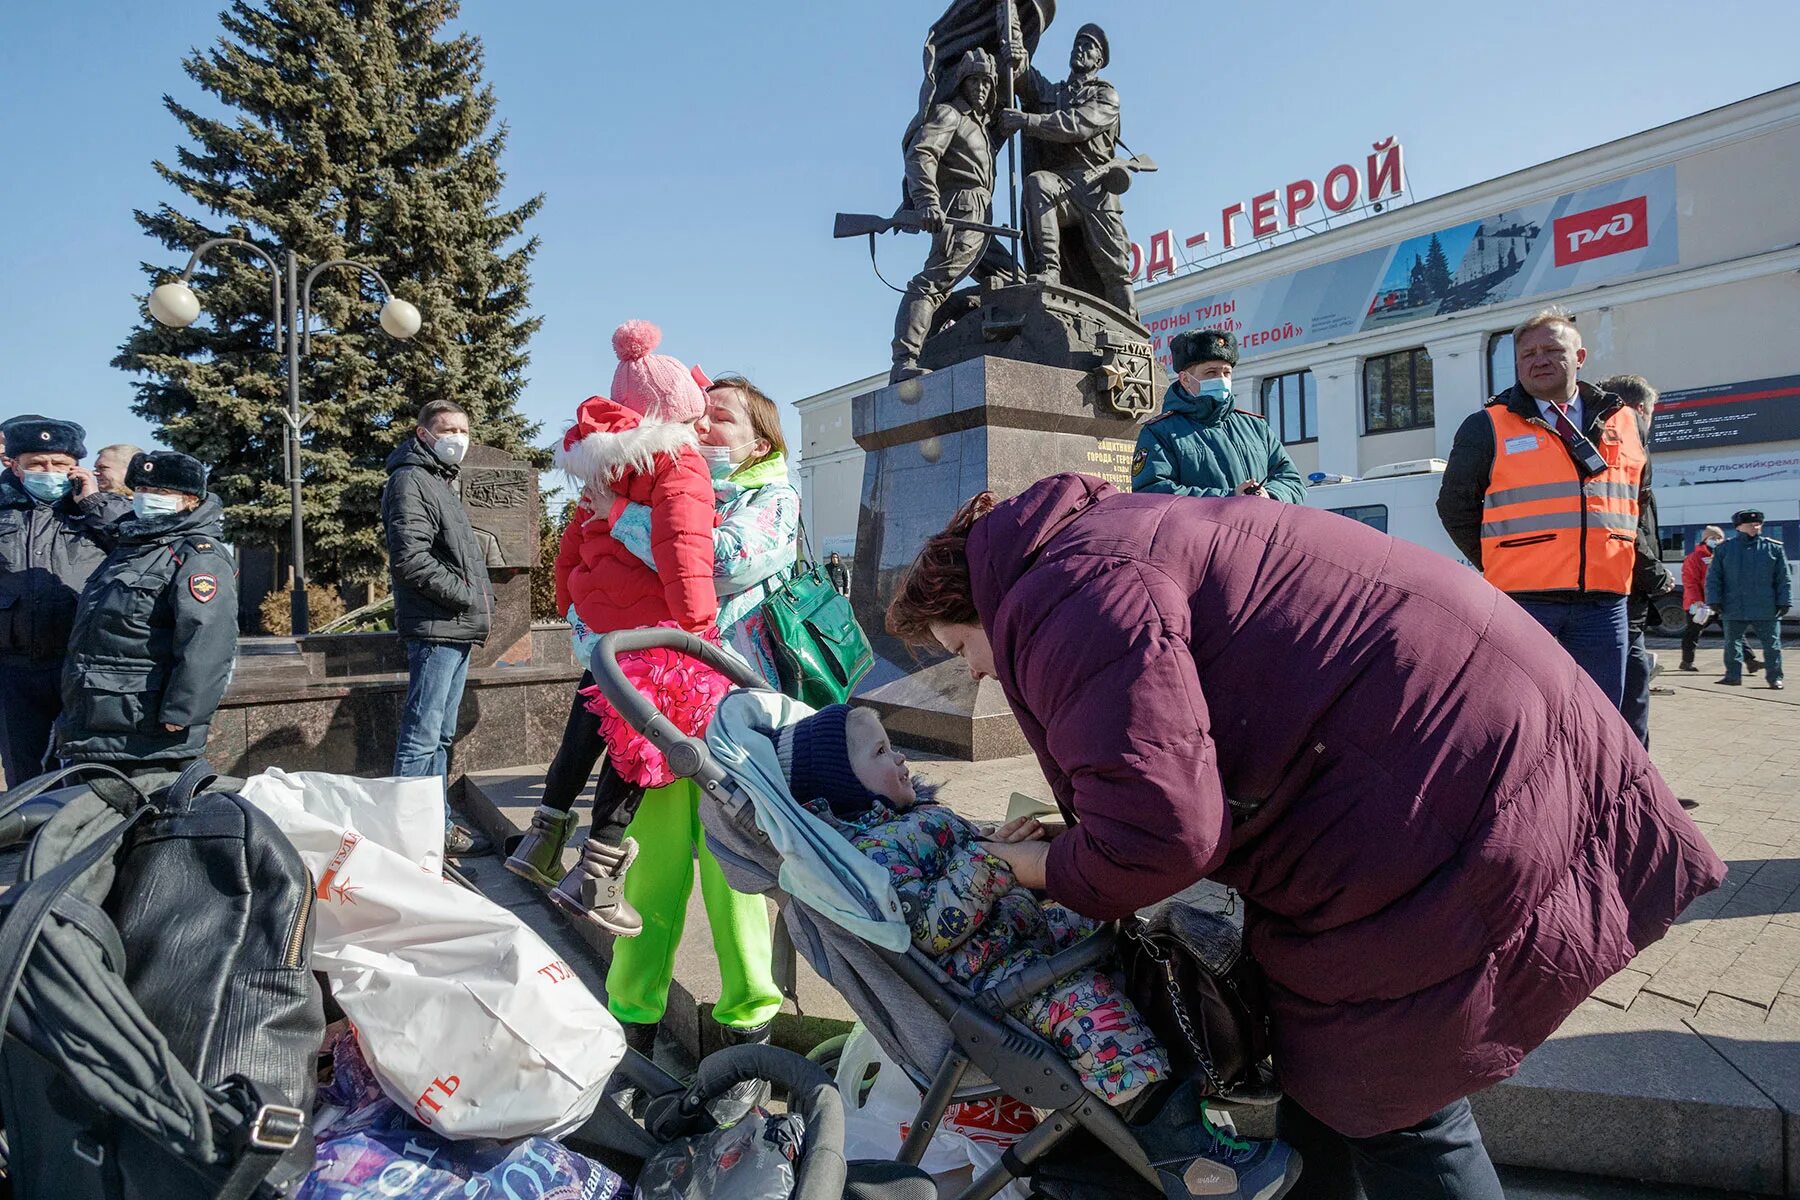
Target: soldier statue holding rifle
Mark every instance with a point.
(950, 188)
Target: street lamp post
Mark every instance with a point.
(175, 305)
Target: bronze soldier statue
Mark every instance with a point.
(949, 178)
(1072, 128)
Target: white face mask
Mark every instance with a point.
(1714, 541)
(150, 504)
(450, 447)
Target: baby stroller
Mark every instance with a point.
(957, 1045)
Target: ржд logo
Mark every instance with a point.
(1598, 232)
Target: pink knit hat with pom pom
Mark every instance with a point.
(659, 387)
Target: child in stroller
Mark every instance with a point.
(962, 903)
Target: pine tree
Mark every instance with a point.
(1437, 269)
(359, 131)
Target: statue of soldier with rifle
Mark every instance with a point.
(950, 188)
(1077, 310)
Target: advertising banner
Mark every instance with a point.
(1747, 468)
(1728, 414)
(1582, 238)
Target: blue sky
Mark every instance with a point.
(693, 154)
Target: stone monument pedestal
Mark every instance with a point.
(986, 424)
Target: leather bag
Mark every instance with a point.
(161, 1017)
(1200, 991)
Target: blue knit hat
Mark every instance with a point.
(815, 756)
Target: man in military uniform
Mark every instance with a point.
(155, 637)
(56, 526)
(1201, 445)
(949, 174)
(1076, 126)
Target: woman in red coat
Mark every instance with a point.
(1693, 600)
(1445, 835)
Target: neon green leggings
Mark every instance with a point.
(668, 833)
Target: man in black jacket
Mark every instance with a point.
(443, 602)
(56, 526)
(1650, 578)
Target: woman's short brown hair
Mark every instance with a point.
(765, 418)
(936, 589)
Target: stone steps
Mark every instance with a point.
(1647, 1094)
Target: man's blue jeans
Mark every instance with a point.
(436, 673)
(1767, 632)
(1594, 633)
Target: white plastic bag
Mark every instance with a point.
(1700, 611)
(467, 1018)
(972, 1135)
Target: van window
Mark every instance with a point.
(1375, 516)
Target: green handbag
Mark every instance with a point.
(820, 650)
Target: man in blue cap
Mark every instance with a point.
(56, 528)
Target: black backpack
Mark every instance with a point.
(161, 1017)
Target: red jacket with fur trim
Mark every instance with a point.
(622, 458)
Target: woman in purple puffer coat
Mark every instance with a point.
(1445, 835)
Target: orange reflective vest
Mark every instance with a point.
(1544, 529)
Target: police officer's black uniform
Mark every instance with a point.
(48, 550)
(155, 637)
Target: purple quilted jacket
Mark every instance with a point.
(1446, 837)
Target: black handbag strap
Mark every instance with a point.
(13, 799)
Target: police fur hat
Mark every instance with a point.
(1202, 345)
(167, 469)
(1099, 35)
(1746, 514)
(32, 434)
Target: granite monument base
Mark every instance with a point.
(987, 424)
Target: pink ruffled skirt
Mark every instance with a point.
(683, 689)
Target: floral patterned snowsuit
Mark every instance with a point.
(971, 915)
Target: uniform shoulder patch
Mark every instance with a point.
(1138, 459)
(203, 587)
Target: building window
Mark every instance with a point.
(1503, 368)
(1291, 403)
(1397, 392)
(1372, 515)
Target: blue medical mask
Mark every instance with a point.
(719, 460)
(149, 504)
(48, 486)
(1210, 389)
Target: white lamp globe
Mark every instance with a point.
(400, 319)
(174, 305)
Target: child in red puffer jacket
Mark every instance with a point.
(640, 446)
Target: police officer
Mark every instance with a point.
(155, 637)
(56, 526)
(1747, 581)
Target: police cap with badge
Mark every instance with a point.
(1746, 515)
(170, 469)
(32, 434)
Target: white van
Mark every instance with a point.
(1401, 500)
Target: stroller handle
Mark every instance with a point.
(686, 755)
